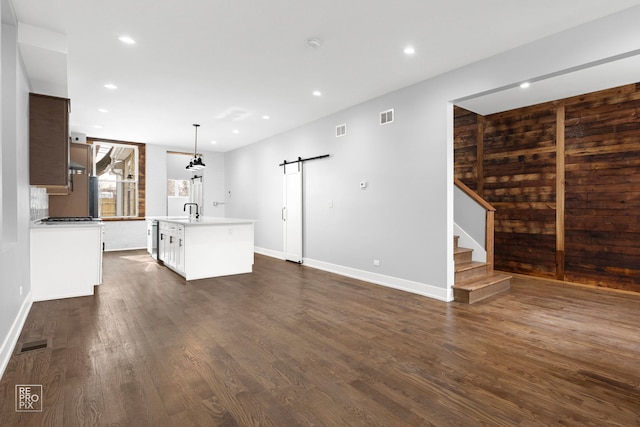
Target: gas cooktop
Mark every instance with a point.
(70, 219)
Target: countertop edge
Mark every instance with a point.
(205, 221)
(88, 224)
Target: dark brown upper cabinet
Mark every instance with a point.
(49, 142)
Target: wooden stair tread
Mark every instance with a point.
(482, 281)
(469, 266)
(460, 250)
(475, 280)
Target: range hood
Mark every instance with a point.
(76, 168)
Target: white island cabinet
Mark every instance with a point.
(207, 247)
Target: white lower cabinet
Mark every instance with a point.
(152, 238)
(162, 241)
(66, 260)
(171, 246)
(179, 249)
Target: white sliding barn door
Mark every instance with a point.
(292, 212)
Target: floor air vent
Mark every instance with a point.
(33, 345)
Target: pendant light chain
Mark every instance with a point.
(195, 152)
(196, 163)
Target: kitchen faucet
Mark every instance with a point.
(196, 205)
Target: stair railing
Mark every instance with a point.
(489, 243)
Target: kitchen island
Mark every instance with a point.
(206, 247)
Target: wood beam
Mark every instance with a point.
(560, 191)
(480, 156)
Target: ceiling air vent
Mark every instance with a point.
(341, 130)
(386, 117)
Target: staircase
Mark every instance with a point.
(475, 281)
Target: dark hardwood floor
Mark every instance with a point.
(293, 346)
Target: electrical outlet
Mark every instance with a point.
(330, 203)
(20, 290)
(376, 262)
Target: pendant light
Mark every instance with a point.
(196, 164)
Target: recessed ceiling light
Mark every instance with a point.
(313, 43)
(236, 131)
(525, 85)
(266, 117)
(317, 93)
(98, 127)
(409, 50)
(103, 110)
(111, 86)
(214, 142)
(127, 40)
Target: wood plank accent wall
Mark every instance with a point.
(603, 188)
(564, 178)
(466, 147)
(519, 181)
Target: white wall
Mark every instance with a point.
(470, 216)
(213, 183)
(156, 179)
(176, 170)
(124, 235)
(15, 287)
(404, 218)
(391, 220)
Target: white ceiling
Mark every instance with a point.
(225, 64)
(610, 73)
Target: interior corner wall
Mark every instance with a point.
(404, 217)
(347, 227)
(15, 286)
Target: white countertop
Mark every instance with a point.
(207, 220)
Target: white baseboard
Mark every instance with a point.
(268, 252)
(9, 343)
(380, 279)
(124, 249)
(375, 278)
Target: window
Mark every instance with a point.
(118, 168)
(178, 188)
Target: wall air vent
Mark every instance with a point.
(386, 117)
(341, 130)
